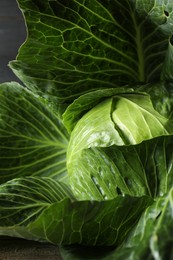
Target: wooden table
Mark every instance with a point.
(20, 249)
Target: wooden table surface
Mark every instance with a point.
(12, 35)
(20, 249)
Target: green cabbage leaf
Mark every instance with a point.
(77, 46)
(86, 140)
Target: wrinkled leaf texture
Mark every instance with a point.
(35, 203)
(72, 48)
(33, 140)
(44, 209)
(144, 169)
(145, 242)
(77, 46)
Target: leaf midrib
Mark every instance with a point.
(139, 49)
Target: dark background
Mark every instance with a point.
(12, 35)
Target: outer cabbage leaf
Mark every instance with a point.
(33, 140)
(150, 239)
(167, 73)
(143, 169)
(74, 47)
(161, 95)
(155, 224)
(45, 210)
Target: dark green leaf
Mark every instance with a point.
(161, 95)
(167, 73)
(152, 237)
(33, 140)
(45, 210)
(77, 46)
